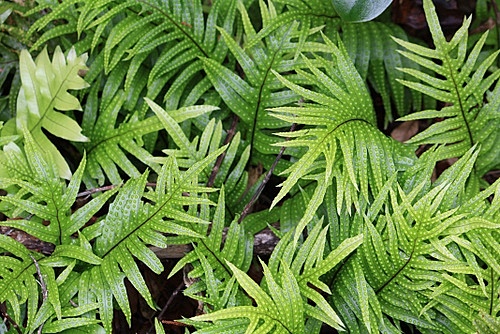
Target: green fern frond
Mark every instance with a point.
(249, 97)
(44, 196)
(428, 248)
(178, 34)
(18, 280)
(463, 86)
(340, 135)
(290, 282)
(238, 248)
(132, 223)
(44, 90)
(375, 56)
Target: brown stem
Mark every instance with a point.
(270, 172)
(230, 134)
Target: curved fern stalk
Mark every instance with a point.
(340, 134)
(130, 225)
(463, 88)
(416, 264)
(249, 97)
(289, 284)
(44, 90)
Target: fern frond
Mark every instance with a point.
(45, 196)
(18, 280)
(463, 87)
(340, 135)
(433, 251)
(249, 97)
(289, 284)
(45, 86)
(238, 248)
(130, 224)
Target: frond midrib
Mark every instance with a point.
(146, 221)
(447, 61)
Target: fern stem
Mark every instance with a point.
(230, 134)
(462, 111)
(257, 193)
(96, 190)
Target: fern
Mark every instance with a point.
(341, 112)
(467, 120)
(283, 306)
(369, 239)
(44, 89)
(415, 227)
(48, 199)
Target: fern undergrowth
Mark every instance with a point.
(161, 123)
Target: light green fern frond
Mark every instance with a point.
(462, 87)
(130, 225)
(44, 197)
(44, 90)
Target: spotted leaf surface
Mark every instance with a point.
(465, 81)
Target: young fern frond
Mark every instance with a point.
(341, 136)
(44, 90)
(463, 85)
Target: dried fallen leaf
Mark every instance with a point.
(405, 131)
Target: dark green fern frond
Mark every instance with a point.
(375, 56)
(18, 280)
(461, 83)
(178, 34)
(249, 97)
(340, 133)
